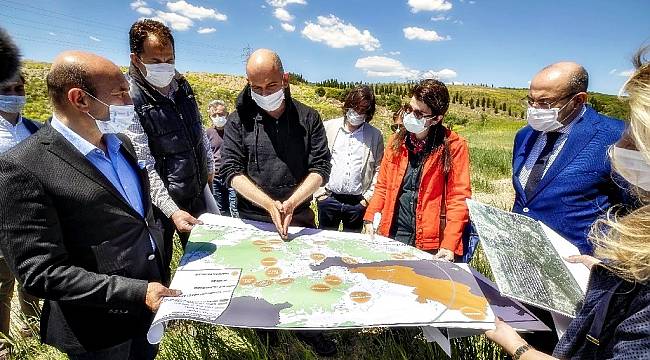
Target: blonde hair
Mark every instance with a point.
(624, 242)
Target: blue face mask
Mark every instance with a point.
(12, 104)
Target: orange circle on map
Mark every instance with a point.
(333, 280)
(473, 313)
(397, 256)
(408, 255)
(320, 288)
(247, 279)
(284, 281)
(360, 296)
(266, 249)
(320, 242)
(273, 272)
(263, 283)
(349, 260)
(276, 241)
(269, 261)
(317, 256)
(259, 242)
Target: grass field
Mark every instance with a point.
(490, 138)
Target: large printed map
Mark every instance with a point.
(325, 279)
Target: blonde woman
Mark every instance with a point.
(614, 322)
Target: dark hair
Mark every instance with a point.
(435, 94)
(65, 77)
(9, 57)
(142, 29)
(578, 82)
(357, 96)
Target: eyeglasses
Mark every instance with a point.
(545, 105)
(417, 113)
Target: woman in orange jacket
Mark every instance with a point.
(424, 178)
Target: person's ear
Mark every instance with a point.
(581, 97)
(285, 79)
(135, 60)
(79, 100)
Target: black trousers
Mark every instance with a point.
(338, 208)
(134, 349)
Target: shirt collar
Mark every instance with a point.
(19, 122)
(84, 146)
(566, 129)
(346, 131)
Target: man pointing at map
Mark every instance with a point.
(275, 151)
(275, 155)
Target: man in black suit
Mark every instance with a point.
(76, 223)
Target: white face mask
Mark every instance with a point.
(413, 124)
(159, 75)
(545, 120)
(219, 121)
(270, 102)
(120, 118)
(632, 166)
(12, 104)
(354, 118)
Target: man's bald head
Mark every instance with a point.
(567, 77)
(265, 72)
(78, 69)
(264, 61)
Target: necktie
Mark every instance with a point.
(538, 168)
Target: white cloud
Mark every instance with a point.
(177, 22)
(336, 34)
(283, 3)
(440, 18)
(188, 10)
(626, 73)
(443, 75)
(283, 15)
(144, 11)
(459, 22)
(51, 33)
(288, 27)
(381, 66)
(94, 38)
(138, 3)
(612, 72)
(394, 53)
(206, 30)
(472, 2)
(429, 5)
(416, 33)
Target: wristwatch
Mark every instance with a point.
(520, 351)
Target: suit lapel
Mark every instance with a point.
(59, 146)
(581, 134)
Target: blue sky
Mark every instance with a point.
(470, 41)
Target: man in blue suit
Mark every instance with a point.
(561, 171)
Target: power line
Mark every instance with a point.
(48, 13)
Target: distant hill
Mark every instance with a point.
(470, 103)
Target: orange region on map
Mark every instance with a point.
(455, 296)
